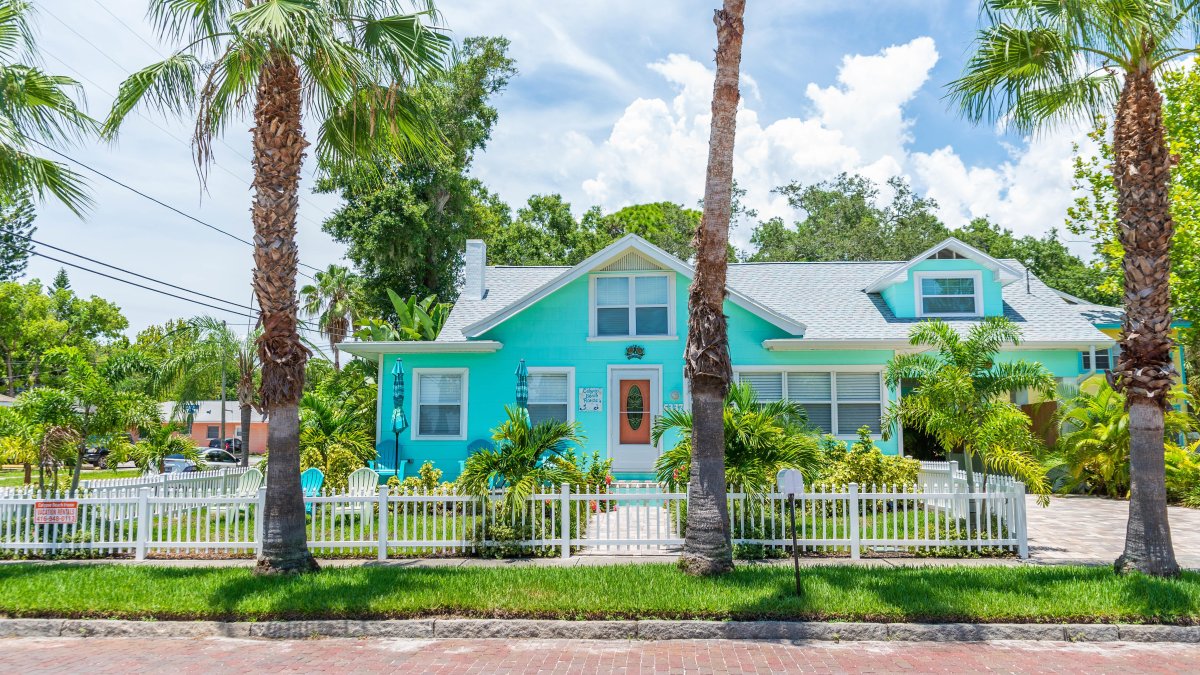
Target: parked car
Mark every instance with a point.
(97, 457)
(231, 445)
(218, 459)
(178, 464)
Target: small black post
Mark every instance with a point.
(795, 546)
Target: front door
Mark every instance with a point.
(635, 402)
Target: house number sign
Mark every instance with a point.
(591, 399)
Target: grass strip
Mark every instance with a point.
(937, 594)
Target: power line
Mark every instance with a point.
(139, 285)
(158, 201)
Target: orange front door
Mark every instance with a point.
(634, 412)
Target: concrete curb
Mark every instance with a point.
(600, 630)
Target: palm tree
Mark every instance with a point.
(330, 300)
(1037, 63)
(961, 397)
(526, 457)
(326, 421)
(36, 109)
(347, 64)
(761, 439)
(707, 548)
(155, 443)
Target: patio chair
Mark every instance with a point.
(362, 483)
(311, 481)
(248, 485)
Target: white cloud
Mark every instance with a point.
(657, 148)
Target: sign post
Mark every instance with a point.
(791, 483)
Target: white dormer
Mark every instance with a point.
(949, 280)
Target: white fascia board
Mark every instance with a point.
(607, 254)
(816, 344)
(1005, 273)
(370, 349)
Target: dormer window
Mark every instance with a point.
(949, 293)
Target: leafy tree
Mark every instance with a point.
(707, 549)
(545, 232)
(349, 65)
(526, 457)
(667, 225)
(761, 439)
(842, 222)
(155, 443)
(36, 430)
(961, 393)
(408, 234)
(1037, 64)
(38, 108)
(16, 229)
(332, 300)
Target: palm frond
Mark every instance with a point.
(169, 85)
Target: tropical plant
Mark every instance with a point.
(526, 457)
(36, 109)
(415, 320)
(761, 439)
(155, 443)
(331, 300)
(864, 463)
(961, 397)
(707, 548)
(326, 421)
(348, 64)
(18, 441)
(1093, 447)
(1183, 474)
(1037, 63)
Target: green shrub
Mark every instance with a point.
(864, 463)
(428, 479)
(335, 461)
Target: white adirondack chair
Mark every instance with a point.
(363, 482)
(248, 485)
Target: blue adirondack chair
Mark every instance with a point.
(311, 481)
(381, 468)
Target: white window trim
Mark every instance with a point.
(671, 334)
(963, 274)
(415, 411)
(572, 395)
(884, 393)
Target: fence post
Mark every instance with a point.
(260, 514)
(566, 521)
(143, 523)
(383, 521)
(852, 503)
(1018, 493)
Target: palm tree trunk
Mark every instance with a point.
(707, 548)
(244, 460)
(278, 153)
(1142, 172)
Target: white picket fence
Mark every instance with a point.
(160, 521)
(217, 480)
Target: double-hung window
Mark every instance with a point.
(836, 402)
(213, 431)
(440, 398)
(949, 293)
(1106, 359)
(632, 306)
(550, 395)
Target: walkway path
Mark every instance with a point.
(120, 656)
(1092, 530)
(638, 515)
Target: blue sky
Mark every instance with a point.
(610, 108)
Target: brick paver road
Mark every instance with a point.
(96, 656)
(1092, 530)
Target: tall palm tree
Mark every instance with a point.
(330, 299)
(961, 397)
(37, 109)
(348, 64)
(1037, 63)
(707, 548)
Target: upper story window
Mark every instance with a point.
(1106, 359)
(632, 306)
(949, 293)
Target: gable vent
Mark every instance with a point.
(631, 262)
(947, 254)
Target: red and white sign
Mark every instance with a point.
(55, 513)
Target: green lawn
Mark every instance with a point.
(1025, 593)
(10, 477)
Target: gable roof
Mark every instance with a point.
(1005, 273)
(614, 252)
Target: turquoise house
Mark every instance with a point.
(603, 342)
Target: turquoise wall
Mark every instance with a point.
(902, 296)
(554, 333)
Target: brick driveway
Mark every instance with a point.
(183, 656)
(1092, 530)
